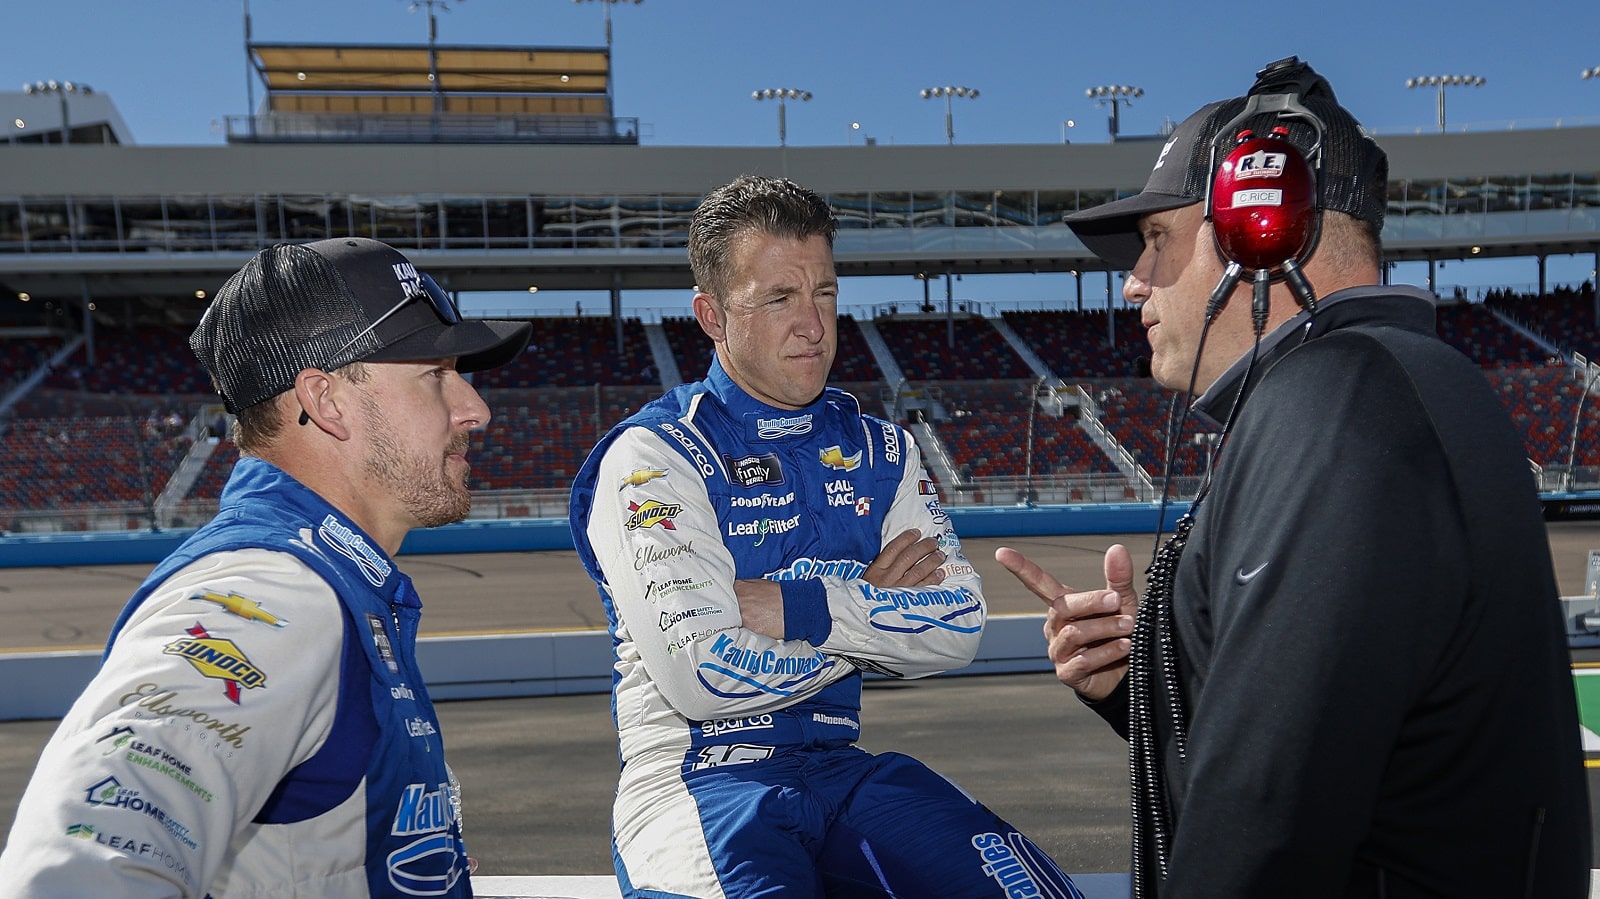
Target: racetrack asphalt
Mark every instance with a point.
(538, 773)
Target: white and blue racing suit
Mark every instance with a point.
(740, 775)
(258, 727)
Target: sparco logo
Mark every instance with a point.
(734, 725)
(891, 444)
(770, 428)
(695, 453)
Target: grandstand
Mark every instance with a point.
(105, 265)
(131, 440)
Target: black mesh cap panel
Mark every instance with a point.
(325, 305)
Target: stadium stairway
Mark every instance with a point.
(1021, 348)
(1090, 419)
(661, 350)
(185, 475)
(880, 352)
(934, 453)
(26, 385)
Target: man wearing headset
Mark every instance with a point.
(1348, 674)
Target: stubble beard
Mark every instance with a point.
(423, 486)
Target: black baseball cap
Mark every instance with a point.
(1353, 180)
(330, 303)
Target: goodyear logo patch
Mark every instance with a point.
(834, 458)
(640, 477)
(220, 659)
(248, 609)
(651, 513)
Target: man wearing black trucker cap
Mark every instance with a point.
(258, 725)
(1348, 676)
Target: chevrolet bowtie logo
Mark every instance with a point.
(641, 477)
(834, 457)
(248, 609)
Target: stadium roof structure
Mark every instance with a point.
(467, 93)
(106, 222)
(291, 71)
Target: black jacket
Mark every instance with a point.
(1368, 635)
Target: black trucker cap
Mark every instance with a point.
(328, 304)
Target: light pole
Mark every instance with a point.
(433, 55)
(928, 93)
(1065, 124)
(608, 4)
(782, 95)
(850, 134)
(1442, 82)
(1117, 95)
(60, 89)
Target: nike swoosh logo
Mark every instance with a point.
(1245, 577)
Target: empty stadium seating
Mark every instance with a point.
(1567, 318)
(577, 352)
(1077, 344)
(987, 431)
(922, 348)
(1482, 337)
(73, 463)
(113, 433)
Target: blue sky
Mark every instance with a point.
(686, 68)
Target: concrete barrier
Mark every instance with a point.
(529, 534)
(489, 666)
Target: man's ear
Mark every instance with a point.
(709, 313)
(324, 401)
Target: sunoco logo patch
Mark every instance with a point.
(651, 513)
(220, 659)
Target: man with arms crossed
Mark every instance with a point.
(759, 542)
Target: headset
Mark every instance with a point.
(1263, 199)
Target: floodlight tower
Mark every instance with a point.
(61, 89)
(782, 95)
(1442, 82)
(928, 93)
(1117, 95)
(608, 4)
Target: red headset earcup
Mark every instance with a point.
(1264, 203)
